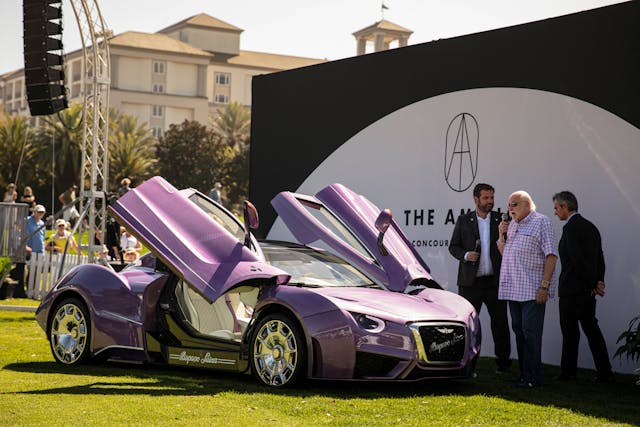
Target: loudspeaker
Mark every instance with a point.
(43, 58)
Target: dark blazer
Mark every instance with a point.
(581, 257)
(463, 239)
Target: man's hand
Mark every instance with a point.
(502, 227)
(599, 290)
(542, 295)
(472, 256)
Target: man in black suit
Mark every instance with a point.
(581, 279)
(473, 243)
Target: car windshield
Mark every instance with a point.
(312, 268)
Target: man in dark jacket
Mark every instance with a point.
(581, 279)
(473, 243)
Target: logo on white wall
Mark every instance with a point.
(461, 152)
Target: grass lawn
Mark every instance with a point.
(34, 390)
(23, 302)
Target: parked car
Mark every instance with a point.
(209, 295)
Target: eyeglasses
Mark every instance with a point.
(513, 204)
(61, 225)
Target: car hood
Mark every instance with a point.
(195, 246)
(429, 305)
(345, 221)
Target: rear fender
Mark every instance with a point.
(115, 310)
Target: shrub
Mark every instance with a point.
(631, 342)
(4, 264)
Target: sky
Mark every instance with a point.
(308, 28)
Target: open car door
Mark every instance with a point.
(347, 223)
(195, 245)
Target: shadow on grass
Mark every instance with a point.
(617, 402)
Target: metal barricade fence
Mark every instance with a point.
(13, 230)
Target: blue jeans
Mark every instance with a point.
(527, 321)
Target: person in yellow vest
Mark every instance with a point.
(58, 240)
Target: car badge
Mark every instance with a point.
(445, 331)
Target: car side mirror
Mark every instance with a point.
(251, 221)
(382, 225)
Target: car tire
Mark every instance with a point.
(70, 332)
(278, 354)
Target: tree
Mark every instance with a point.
(18, 152)
(190, 155)
(232, 125)
(62, 136)
(131, 150)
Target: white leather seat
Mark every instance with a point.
(227, 317)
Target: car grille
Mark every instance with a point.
(440, 343)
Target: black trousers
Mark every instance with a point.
(485, 290)
(581, 309)
(18, 273)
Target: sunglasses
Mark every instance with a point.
(514, 204)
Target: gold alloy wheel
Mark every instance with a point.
(69, 333)
(275, 353)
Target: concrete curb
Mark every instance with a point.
(23, 308)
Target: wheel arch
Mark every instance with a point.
(69, 293)
(278, 308)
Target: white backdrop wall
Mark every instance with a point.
(519, 139)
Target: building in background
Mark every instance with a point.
(185, 71)
(382, 35)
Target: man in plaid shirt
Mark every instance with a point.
(529, 258)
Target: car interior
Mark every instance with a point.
(226, 318)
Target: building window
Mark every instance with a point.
(76, 70)
(223, 79)
(157, 111)
(158, 88)
(221, 99)
(158, 67)
(157, 132)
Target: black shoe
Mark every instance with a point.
(604, 378)
(502, 369)
(524, 384)
(564, 377)
(515, 380)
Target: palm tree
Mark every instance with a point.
(131, 149)
(18, 150)
(233, 124)
(62, 135)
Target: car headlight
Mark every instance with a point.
(367, 322)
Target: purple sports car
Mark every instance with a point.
(209, 295)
